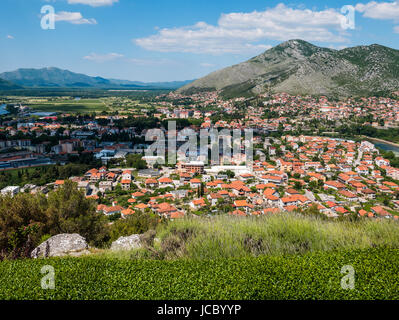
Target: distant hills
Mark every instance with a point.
(298, 67)
(6, 85)
(58, 78)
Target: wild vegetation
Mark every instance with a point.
(282, 256)
(311, 276)
(223, 237)
(27, 220)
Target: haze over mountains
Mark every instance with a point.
(298, 67)
(58, 78)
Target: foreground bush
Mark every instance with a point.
(25, 220)
(310, 276)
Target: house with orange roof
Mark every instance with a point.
(277, 180)
(151, 183)
(165, 182)
(380, 211)
(126, 184)
(111, 176)
(198, 203)
(348, 195)
(380, 161)
(390, 184)
(127, 212)
(112, 210)
(335, 185)
(343, 178)
(340, 210)
(243, 205)
(384, 189)
(58, 183)
(214, 198)
(141, 206)
(164, 209)
(137, 194)
(238, 213)
(195, 183)
(176, 215)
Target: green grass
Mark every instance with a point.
(84, 105)
(230, 237)
(310, 276)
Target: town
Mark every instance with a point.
(301, 158)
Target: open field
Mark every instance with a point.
(310, 276)
(83, 105)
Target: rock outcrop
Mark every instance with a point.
(127, 243)
(62, 245)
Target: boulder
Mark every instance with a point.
(127, 243)
(62, 245)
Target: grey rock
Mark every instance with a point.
(127, 243)
(62, 245)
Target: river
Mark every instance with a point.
(386, 147)
(3, 109)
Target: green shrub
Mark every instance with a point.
(26, 218)
(137, 223)
(310, 276)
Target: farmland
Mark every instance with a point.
(73, 106)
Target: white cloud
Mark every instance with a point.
(73, 17)
(103, 57)
(10, 37)
(94, 3)
(396, 29)
(380, 10)
(247, 32)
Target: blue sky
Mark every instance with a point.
(166, 40)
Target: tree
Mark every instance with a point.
(69, 211)
(22, 223)
(136, 161)
(297, 185)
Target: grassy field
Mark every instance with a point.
(73, 106)
(310, 276)
(230, 237)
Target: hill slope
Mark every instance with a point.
(298, 67)
(6, 85)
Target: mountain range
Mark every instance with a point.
(58, 78)
(299, 67)
(294, 67)
(6, 85)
